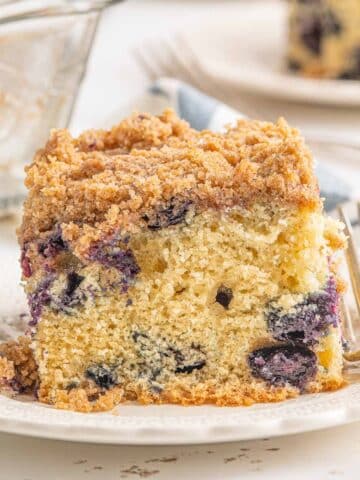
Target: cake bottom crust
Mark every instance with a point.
(227, 396)
(19, 367)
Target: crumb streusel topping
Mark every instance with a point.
(104, 181)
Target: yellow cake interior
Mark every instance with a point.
(260, 254)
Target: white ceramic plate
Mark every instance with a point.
(170, 425)
(245, 49)
(155, 425)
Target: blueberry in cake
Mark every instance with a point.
(163, 264)
(324, 38)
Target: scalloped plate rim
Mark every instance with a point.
(173, 429)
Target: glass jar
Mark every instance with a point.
(44, 47)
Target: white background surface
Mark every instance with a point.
(331, 454)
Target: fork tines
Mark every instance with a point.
(353, 264)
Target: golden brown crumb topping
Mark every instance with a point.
(7, 371)
(18, 359)
(106, 180)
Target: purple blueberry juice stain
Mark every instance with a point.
(110, 254)
(25, 263)
(285, 364)
(73, 294)
(310, 319)
(17, 387)
(39, 299)
(173, 213)
(53, 245)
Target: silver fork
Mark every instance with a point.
(351, 318)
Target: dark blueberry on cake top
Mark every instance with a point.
(279, 365)
(224, 295)
(53, 245)
(171, 214)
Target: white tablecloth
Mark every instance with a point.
(329, 455)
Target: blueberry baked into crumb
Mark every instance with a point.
(163, 264)
(324, 38)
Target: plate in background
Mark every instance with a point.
(246, 51)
